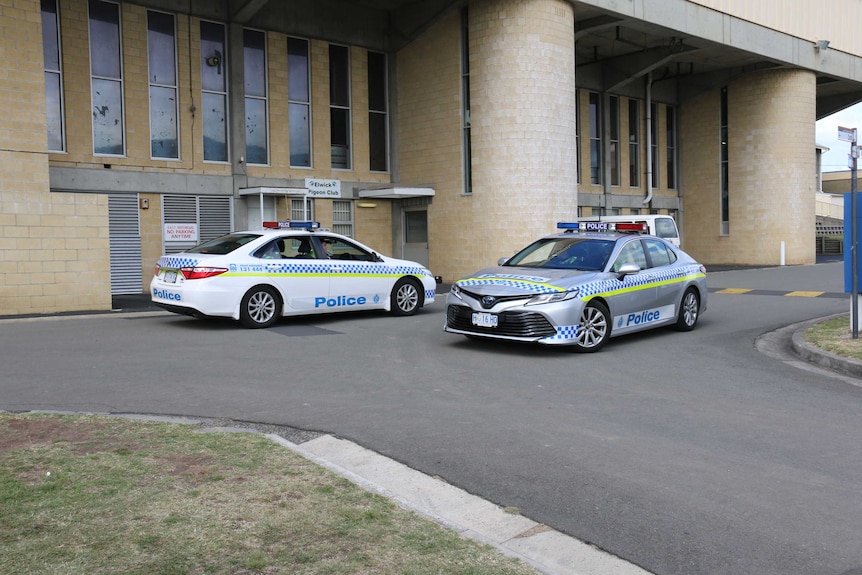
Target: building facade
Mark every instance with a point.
(447, 132)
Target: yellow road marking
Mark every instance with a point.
(734, 290)
(805, 293)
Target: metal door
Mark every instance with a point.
(416, 236)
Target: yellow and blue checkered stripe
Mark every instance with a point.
(301, 268)
(634, 282)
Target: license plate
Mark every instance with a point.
(170, 277)
(484, 320)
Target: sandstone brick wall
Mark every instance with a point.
(53, 247)
(772, 167)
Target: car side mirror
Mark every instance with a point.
(502, 261)
(627, 269)
(375, 257)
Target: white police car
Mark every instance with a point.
(289, 268)
(580, 287)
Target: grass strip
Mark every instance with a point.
(101, 495)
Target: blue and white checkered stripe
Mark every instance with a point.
(175, 262)
(527, 286)
(564, 333)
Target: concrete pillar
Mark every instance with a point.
(772, 171)
(522, 88)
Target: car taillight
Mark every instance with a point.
(200, 272)
(158, 269)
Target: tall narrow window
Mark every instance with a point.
(299, 102)
(466, 140)
(106, 79)
(162, 60)
(378, 113)
(724, 182)
(614, 113)
(339, 105)
(214, 91)
(342, 217)
(595, 138)
(670, 114)
(53, 76)
(578, 135)
(254, 72)
(653, 130)
(634, 144)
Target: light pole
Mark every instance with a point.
(849, 135)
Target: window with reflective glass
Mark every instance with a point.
(299, 102)
(339, 105)
(254, 67)
(614, 119)
(378, 117)
(634, 144)
(162, 60)
(595, 138)
(106, 78)
(670, 112)
(214, 91)
(653, 128)
(466, 139)
(53, 76)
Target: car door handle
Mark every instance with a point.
(335, 269)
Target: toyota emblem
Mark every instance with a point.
(488, 300)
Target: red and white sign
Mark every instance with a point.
(181, 232)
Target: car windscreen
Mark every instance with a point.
(572, 252)
(224, 244)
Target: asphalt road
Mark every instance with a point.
(684, 453)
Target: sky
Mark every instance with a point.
(835, 160)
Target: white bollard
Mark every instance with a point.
(781, 258)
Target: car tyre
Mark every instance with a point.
(594, 329)
(260, 307)
(689, 310)
(405, 297)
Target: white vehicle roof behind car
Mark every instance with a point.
(662, 226)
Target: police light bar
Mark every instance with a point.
(292, 224)
(626, 227)
(599, 226)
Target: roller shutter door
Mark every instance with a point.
(212, 214)
(125, 244)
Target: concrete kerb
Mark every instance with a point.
(822, 358)
(546, 550)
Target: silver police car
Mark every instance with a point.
(580, 287)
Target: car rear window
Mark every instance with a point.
(223, 245)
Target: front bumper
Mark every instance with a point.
(549, 324)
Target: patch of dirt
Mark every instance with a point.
(24, 433)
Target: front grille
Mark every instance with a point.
(497, 299)
(510, 323)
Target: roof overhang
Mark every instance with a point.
(265, 191)
(396, 193)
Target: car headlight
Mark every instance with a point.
(553, 297)
(456, 291)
